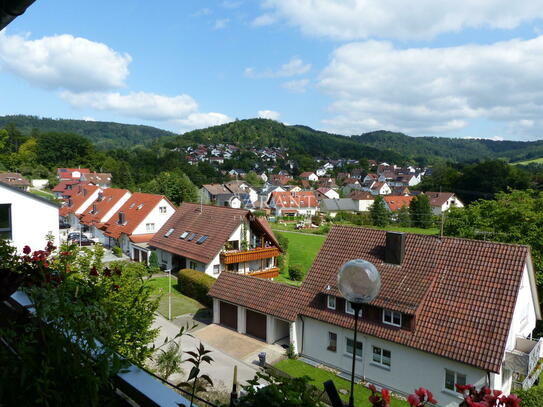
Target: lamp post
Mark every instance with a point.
(170, 294)
(358, 282)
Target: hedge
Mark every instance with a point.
(195, 284)
(532, 397)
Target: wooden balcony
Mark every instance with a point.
(266, 274)
(243, 256)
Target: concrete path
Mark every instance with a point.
(221, 370)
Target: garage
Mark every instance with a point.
(256, 324)
(229, 315)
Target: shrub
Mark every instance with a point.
(195, 284)
(295, 272)
(532, 397)
(283, 241)
(153, 262)
(289, 352)
(316, 220)
(117, 251)
(323, 230)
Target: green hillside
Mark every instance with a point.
(105, 135)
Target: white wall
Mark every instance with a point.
(410, 368)
(107, 216)
(40, 183)
(31, 219)
(159, 219)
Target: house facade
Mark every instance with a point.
(21, 212)
(15, 179)
(450, 311)
(443, 201)
(303, 203)
(214, 239)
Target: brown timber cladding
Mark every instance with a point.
(249, 255)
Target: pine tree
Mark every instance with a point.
(379, 213)
(421, 212)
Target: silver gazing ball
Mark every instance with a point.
(359, 281)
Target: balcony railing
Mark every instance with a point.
(243, 256)
(525, 361)
(266, 274)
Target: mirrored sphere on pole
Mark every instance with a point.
(359, 281)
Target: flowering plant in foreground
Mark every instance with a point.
(485, 397)
(379, 399)
(421, 397)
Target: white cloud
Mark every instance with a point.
(296, 86)
(148, 106)
(415, 19)
(264, 20)
(295, 66)
(231, 4)
(64, 62)
(268, 114)
(221, 23)
(202, 120)
(433, 90)
(88, 119)
(202, 12)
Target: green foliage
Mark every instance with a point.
(295, 272)
(195, 284)
(403, 217)
(253, 179)
(63, 149)
(169, 361)
(117, 251)
(153, 262)
(196, 359)
(283, 241)
(420, 212)
(290, 353)
(316, 220)
(379, 214)
(532, 397)
(176, 186)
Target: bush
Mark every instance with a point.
(283, 241)
(195, 284)
(323, 230)
(316, 220)
(153, 263)
(117, 251)
(532, 397)
(295, 272)
(289, 352)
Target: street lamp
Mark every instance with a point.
(358, 282)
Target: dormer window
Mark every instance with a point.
(349, 308)
(392, 317)
(100, 196)
(122, 218)
(94, 210)
(331, 302)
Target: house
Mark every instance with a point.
(15, 179)
(357, 173)
(213, 239)
(365, 199)
(231, 194)
(402, 190)
(455, 311)
(302, 203)
(331, 207)
(280, 180)
(237, 172)
(69, 174)
(106, 204)
(372, 177)
(443, 201)
(380, 188)
(395, 202)
(136, 222)
(101, 179)
(83, 196)
(26, 219)
(321, 172)
(326, 193)
(242, 188)
(65, 188)
(309, 176)
(405, 180)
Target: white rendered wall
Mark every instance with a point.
(107, 216)
(159, 219)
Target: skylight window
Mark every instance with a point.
(140, 206)
(202, 239)
(192, 236)
(168, 233)
(132, 205)
(184, 235)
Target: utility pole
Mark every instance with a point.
(442, 223)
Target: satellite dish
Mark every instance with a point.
(359, 281)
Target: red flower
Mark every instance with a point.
(116, 287)
(386, 395)
(93, 271)
(117, 271)
(511, 401)
(65, 253)
(372, 388)
(27, 250)
(430, 396)
(413, 400)
(107, 272)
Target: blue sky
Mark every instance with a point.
(459, 68)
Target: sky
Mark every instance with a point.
(448, 68)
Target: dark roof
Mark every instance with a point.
(438, 198)
(14, 178)
(29, 195)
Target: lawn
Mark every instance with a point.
(302, 250)
(181, 304)
(533, 161)
(43, 194)
(297, 368)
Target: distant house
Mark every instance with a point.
(380, 188)
(101, 179)
(214, 239)
(331, 207)
(26, 219)
(371, 177)
(136, 222)
(237, 172)
(321, 172)
(326, 193)
(15, 179)
(302, 203)
(69, 174)
(65, 188)
(76, 203)
(280, 180)
(395, 202)
(365, 199)
(241, 188)
(462, 311)
(309, 176)
(403, 190)
(231, 194)
(443, 201)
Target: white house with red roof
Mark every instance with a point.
(303, 203)
(443, 201)
(380, 188)
(326, 193)
(309, 176)
(69, 174)
(450, 311)
(77, 202)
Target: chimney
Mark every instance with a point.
(395, 248)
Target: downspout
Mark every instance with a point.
(303, 330)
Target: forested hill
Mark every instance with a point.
(300, 140)
(452, 149)
(104, 135)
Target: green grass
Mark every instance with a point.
(43, 194)
(533, 161)
(394, 228)
(302, 250)
(181, 304)
(297, 368)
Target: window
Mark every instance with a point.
(183, 235)
(381, 356)
(332, 341)
(150, 227)
(202, 239)
(331, 302)
(452, 378)
(193, 265)
(349, 308)
(350, 347)
(139, 207)
(162, 209)
(121, 218)
(232, 245)
(392, 317)
(192, 236)
(5, 221)
(168, 233)
(216, 268)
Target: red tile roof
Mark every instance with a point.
(396, 202)
(81, 193)
(361, 195)
(141, 238)
(66, 173)
(135, 210)
(302, 199)
(306, 174)
(438, 198)
(110, 196)
(62, 186)
(14, 178)
(462, 292)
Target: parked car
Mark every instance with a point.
(83, 241)
(75, 236)
(63, 225)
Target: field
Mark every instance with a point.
(533, 161)
(181, 304)
(297, 368)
